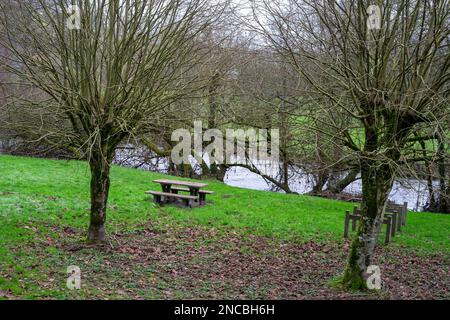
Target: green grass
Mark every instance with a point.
(37, 192)
(58, 192)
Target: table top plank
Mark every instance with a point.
(181, 183)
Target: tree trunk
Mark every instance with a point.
(339, 186)
(285, 173)
(221, 172)
(431, 198)
(377, 181)
(439, 203)
(100, 183)
(212, 123)
(442, 168)
(322, 178)
(448, 196)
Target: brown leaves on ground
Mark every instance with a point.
(202, 263)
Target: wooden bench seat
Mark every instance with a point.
(202, 193)
(187, 199)
(401, 209)
(390, 220)
(187, 190)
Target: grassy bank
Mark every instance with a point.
(58, 191)
(39, 199)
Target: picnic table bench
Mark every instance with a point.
(171, 189)
(357, 216)
(158, 196)
(202, 193)
(394, 218)
(401, 209)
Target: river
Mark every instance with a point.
(404, 190)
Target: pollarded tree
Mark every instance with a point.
(384, 64)
(105, 68)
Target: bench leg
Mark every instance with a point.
(157, 199)
(202, 197)
(194, 192)
(188, 203)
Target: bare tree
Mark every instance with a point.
(107, 78)
(384, 64)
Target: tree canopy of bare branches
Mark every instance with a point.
(105, 75)
(385, 66)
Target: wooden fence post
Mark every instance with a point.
(405, 211)
(388, 229)
(394, 223)
(354, 218)
(347, 220)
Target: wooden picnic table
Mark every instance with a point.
(194, 187)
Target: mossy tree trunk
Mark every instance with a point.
(377, 183)
(377, 176)
(100, 183)
(443, 201)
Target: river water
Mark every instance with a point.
(413, 191)
(404, 190)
